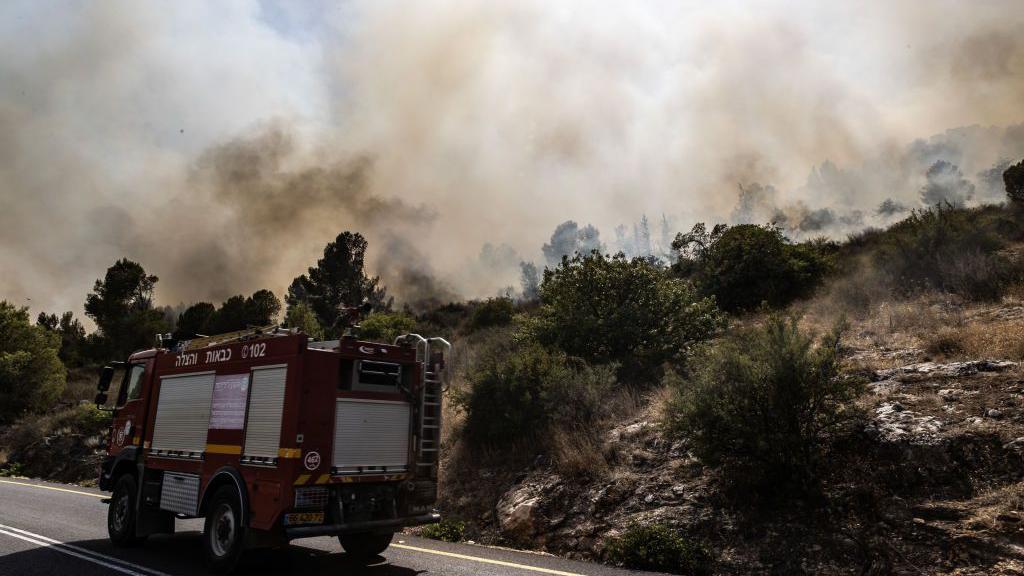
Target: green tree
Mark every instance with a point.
(301, 316)
(764, 402)
(72, 336)
(1013, 179)
(386, 326)
(230, 316)
(31, 374)
(612, 309)
(491, 312)
(122, 306)
(746, 265)
(262, 308)
(195, 320)
(338, 280)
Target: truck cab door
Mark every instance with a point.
(130, 409)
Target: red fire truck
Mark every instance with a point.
(272, 437)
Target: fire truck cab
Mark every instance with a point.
(271, 437)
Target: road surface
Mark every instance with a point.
(49, 529)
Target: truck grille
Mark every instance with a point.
(311, 497)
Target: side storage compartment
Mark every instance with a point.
(263, 418)
(183, 415)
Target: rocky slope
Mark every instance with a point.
(928, 483)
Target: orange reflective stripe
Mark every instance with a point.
(302, 479)
(323, 479)
(223, 449)
(289, 452)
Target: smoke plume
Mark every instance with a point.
(223, 144)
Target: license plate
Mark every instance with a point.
(303, 518)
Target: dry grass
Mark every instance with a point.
(1002, 340)
(578, 454)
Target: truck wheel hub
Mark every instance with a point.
(223, 530)
(120, 512)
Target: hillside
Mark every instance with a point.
(928, 484)
(758, 407)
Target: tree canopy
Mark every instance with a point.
(338, 280)
(121, 304)
(31, 374)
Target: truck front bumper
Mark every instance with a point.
(392, 524)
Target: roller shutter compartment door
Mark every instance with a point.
(183, 413)
(263, 419)
(371, 434)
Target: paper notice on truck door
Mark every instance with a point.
(230, 392)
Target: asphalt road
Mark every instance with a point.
(49, 529)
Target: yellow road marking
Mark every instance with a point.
(94, 495)
(486, 560)
(223, 449)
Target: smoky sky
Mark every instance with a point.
(223, 144)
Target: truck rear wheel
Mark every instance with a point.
(223, 533)
(365, 545)
(121, 512)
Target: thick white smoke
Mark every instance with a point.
(223, 144)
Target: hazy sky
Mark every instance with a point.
(222, 144)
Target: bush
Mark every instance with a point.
(31, 374)
(385, 326)
(747, 265)
(491, 312)
(1013, 179)
(945, 342)
(300, 315)
(947, 249)
(632, 312)
(516, 397)
(764, 403)
(657, 547)
(446, 530)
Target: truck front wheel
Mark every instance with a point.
(223, 533)
(365, 545)
(121, 512)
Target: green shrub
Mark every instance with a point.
(615, 310)
(386, 326)
(32, 376)
(300, 315)
(446, 530)
(12, 469)
(764, 402)
(948, 249)
(747, 265)
(491, 312)
(657, 547)
(518, 394)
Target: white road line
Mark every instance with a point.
(486, 560)
(29, 484)
(122, 566)
(150, 571)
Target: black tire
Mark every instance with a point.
(224, 533)
(365, 545)
(121, 514)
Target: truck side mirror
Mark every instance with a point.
(101, 398)
(106, 375)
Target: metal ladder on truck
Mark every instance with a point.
(430, 402)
